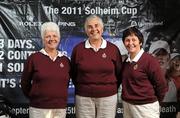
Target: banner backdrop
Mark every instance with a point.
(20, 37)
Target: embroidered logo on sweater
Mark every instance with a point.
(135, 67)
(61, 65)
(104, 55)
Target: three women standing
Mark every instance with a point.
(95, 67)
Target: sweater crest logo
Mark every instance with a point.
(135, 67)
(61, 65)
(104, 55)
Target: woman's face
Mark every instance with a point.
(175, 64)
(51, 40)
(163, 61)
(93, 29)
(132, 44)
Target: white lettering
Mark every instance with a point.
(101, 11)
(51, 10)
(7, 82)
(72, 24)
(15, 67)
(168, 109)
(20, 43)
(70, 110)
(19, 55)
(126, 10)
(1, 43)
(30, 23)
(119, 110)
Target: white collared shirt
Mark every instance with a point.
(45, 53)
(103, 45)
(137, 57)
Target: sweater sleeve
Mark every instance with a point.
(157, 79)
(27, 76)
(73, 72)
(118, 67)
(69, 65)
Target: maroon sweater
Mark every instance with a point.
(95, 73)
(45, 82)
(143, 82)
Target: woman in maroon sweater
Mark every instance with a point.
(96, 65)
(143, 84)
(45, 77)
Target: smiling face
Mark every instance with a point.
(132, 44)
(51, 40)
(94, 28)
(175, 64)
(50, 34)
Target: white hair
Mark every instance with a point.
(49, 26)
(92, 17)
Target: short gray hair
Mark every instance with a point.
(49, 26)
(92, 17)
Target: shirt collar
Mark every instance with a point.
(137, 57)
(103, 45)
(45, 53)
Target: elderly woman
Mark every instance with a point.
(96, 65)
(45, 77)
(143, 83)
